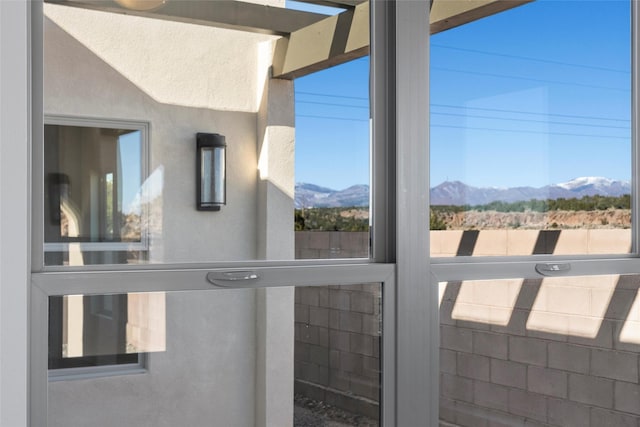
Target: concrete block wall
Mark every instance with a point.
(450, 243)
(553, 352)
(332, 244)
(337, 346)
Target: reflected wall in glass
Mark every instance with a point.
(204, 78)
(219, 355)
(92, 209)
(100, 330)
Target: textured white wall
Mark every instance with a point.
(274, 307)
(183, 79)
(204, 378)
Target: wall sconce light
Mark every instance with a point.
(211, 179)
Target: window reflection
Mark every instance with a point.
(103, 330)
(92, 178)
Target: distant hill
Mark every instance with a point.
(457, 193)
(314, 196)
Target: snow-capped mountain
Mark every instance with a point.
(310, 195)
(458, 193)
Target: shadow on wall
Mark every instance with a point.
(555, 351)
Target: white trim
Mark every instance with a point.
(14, 210)
(417, 339)
(96, 246)
(89, 372)
(38, 185)
(635, 121)
(125, 281)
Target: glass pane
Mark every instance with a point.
(281, 356)
(105, 329)
(212, 172)
(337, 355)
(332, 162)
(92, 210)
(556, 351)
(290, 101)
(531, 132)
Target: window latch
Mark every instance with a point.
(553, 268)
(231, 278)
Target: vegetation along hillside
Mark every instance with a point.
(585, 212)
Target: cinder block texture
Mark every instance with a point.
(569, 364)
(562, 412)
(508, 373)
(528, 350)
(615, 365)
(605, 418)
(337, 345)
(548, 382)
(591, 390)
(569, 357)
(627, 397)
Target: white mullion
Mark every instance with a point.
(635, 120)
(417, 335)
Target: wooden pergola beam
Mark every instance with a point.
(334, 3)
(343, 37)
(447, 14)
(334, 40)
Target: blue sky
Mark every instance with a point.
(536, 95)
(332, 126)
(130, 156)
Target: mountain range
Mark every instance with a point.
(458, 193)
(314, 196)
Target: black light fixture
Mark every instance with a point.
(211, 180)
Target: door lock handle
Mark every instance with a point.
(231, 278)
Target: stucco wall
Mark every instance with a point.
(220, 367)
(205, 377)
(182, 79)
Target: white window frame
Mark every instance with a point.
(15, 104)
(88, 372)
(45, 285)
(399, 67)
(144, 129)
(401, 79)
